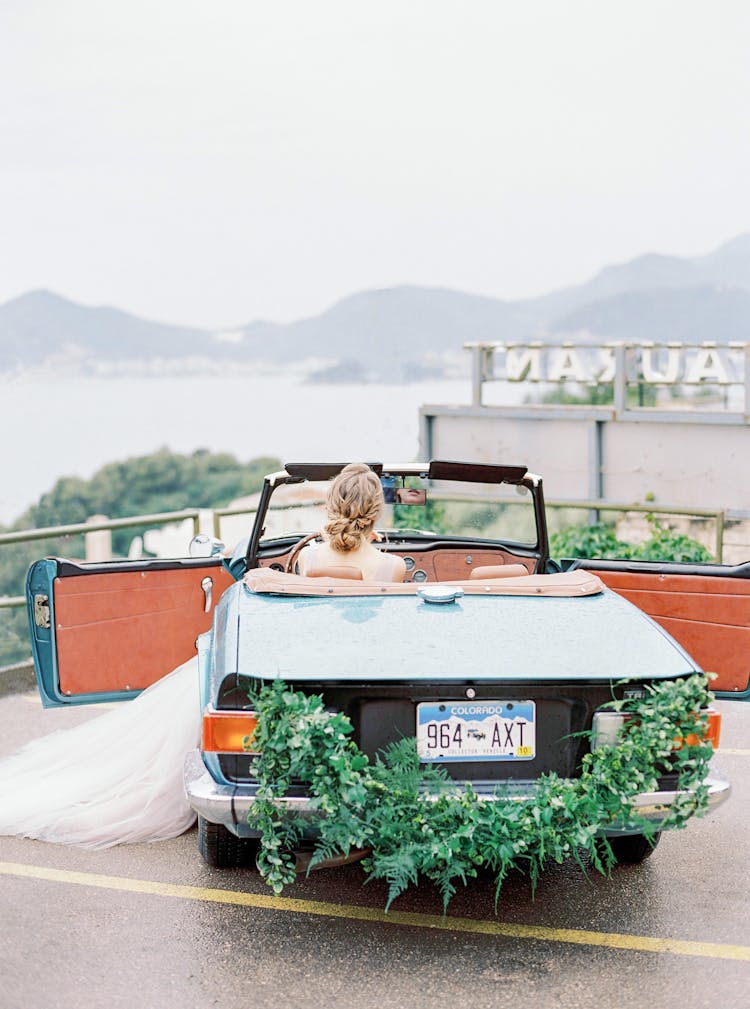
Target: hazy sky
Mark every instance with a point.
(212, 163)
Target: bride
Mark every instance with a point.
(118, 777)
(115, 778)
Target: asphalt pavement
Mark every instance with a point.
(137, 926)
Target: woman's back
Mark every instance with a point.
(375, 565)
(354, 503)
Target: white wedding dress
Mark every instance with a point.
(114, 779)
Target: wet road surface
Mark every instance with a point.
(152, 925)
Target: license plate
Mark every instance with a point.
(476, 730)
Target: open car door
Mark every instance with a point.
(706, 607)
(105, 631)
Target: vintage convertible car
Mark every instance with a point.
(496, 659)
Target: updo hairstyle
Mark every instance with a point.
(354, 503)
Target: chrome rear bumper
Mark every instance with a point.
(231, 804)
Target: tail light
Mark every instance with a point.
(606, 727)
(228, 731)
(713, 731)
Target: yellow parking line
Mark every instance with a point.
(100, 705)
(580, 937)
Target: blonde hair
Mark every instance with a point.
(354, 502)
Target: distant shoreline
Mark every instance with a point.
(313, 371)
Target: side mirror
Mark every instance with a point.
(204, 545)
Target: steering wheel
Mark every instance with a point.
(297, 549)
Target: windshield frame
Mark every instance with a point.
(445, 471)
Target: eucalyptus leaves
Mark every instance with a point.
(382, 805)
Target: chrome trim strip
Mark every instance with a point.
(231, 804)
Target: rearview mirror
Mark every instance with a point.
(411, 496)
(395, 494)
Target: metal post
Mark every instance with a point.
(477, 373)
(596, 489)
(746, 408)
(621, 379)
(425, 435)
(98, 543)
(720, 537)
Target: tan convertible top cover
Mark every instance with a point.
(565, 584)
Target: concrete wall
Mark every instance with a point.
(586, 453)
(691, 464)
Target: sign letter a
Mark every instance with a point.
(707, 366)
(566, 365)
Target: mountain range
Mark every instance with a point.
(400, 333)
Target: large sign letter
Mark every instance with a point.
(707, 366)
(523, 364)
(605, 366)
(566, 365)
(651, 372)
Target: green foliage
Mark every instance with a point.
(159, 482)
(602, 394)
(417, 823)
(429, 517)
(505, 520)
(596, 540)
(599, 541)
(14, 636)
(666, 545)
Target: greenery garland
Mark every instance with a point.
(418, 823)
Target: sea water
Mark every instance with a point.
(56, 426)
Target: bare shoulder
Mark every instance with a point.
(399, 568)
(305, 557)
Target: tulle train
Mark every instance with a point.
(116, 778)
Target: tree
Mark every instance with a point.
(159, 482)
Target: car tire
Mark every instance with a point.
(222, 849)
(631, 849)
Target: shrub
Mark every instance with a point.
(600, 541)
(597, 540)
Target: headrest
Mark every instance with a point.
(499, 571)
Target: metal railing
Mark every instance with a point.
(212, 515)
(96, 525)
(215, 516)
(718, 516)
(220, 513)
(8, 602)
